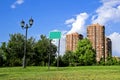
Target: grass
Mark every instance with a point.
(62, 73)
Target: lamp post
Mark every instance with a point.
(26, 26)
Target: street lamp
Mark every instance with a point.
(26, 26)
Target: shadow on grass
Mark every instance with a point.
(3, 75)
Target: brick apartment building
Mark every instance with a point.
(72, 40)
(108, 47)
(101, 44)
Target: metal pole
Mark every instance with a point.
(49, 56)
(58, 53)
(25, 42)
(25, 49)
(49, 61)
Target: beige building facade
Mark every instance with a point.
(72, 40)
(108, 47)
(96, 34)
(101, 44)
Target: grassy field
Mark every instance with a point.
(62, 73)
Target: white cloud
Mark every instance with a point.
(115, 37)
(78, 23)
(17, 2)
(109, 11)
(69, 21)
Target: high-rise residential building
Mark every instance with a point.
(96, 34)
(72, 40)
(108, 47)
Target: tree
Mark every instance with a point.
(42, 48)
(2, 57)
(14, 49)
(85, 53)
(11, 53)
(3, 54)
(69, 58)
(61, 62)
(112, 61)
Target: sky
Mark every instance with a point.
(67, 16)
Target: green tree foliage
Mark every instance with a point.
(61, 62)
(1, 57)
(43, 48)
(14, 49)
(3, 54)
(85, 54)
(11, 53)
(112, 61)
(69, 58)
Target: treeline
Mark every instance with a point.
(11, 53)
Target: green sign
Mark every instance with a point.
(55, 35)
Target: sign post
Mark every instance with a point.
(55, 35)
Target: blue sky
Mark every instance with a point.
(66, 16)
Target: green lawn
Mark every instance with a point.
(62, 73)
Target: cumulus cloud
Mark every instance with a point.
(115, 37)
(109, 11)
(17, 2)
(77, 23)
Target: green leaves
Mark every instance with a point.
(85, 52)
(11, 53)
(42, 48)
